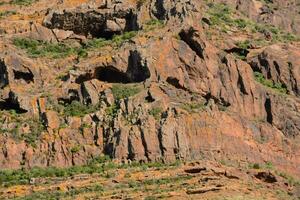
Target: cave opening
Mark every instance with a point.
(26, 76)
(111, 75)
(10, 105)
(137, 70)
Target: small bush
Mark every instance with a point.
(254, 166)
(259, 77)
(123, 91)
(44, 49)
(120, 39)
(97, 43)
(78, 109)
(75, 149)
(112, 110)
(22, 2)
(193, 107)
(156, 112)
(7, 13)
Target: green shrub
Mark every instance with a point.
(97, 43)
(75, 149)
(120, 39)
(78, 109)
(22, 2)
(44, 49)
(193, 107)
(153, 24)
(254, 166)
(259, 77)
(100, 165)
(7, 13)
(112, 110)
(156, 112)
(123, 91)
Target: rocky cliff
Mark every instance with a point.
(146, 81)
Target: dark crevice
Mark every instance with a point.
(241, 85)
(277, 67)
(220, 101)
(137, 70)
(263, 62)
(238, 51)
(149, 98)
(292, 78)
(73, 95)
(268, 108)
(111, 74)
(131, 153)
(83, 77)
(187, 37)
(160, 10)
(175, 82)
(8, 104)
(26, 76)
(145, 145)
(3, 75)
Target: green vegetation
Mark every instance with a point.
(112, 111)
(123, 91)
(7, 13)
(35, 48)
(22, 2)
(267, 165)
(153, 24)
(224, 19)
(254, 166)
(117, 40)
(193, 107)
(120, 39)
(156, 112)
(290, 179)
(46, 195)
(259, 77)
(220, 16)
(78, 109)
(158, 182)
(35, 127)
(100, 165)
(44, 49)
(75, 149)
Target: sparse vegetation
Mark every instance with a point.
(45, 195)
(7, 13)
(123, 91)
(22, 2)
(78, 109)
(100, 165)
(223, 18)
(36, 48)
(259, 77)
(156, 112)
(112, 111)
(193, 107)
(17, 121)
(153, 24)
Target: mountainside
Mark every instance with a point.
(151, 81)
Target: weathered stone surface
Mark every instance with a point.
(195, 101)
(280, 64)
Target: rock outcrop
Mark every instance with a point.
(166, 93)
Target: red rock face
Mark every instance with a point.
(167, 93)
